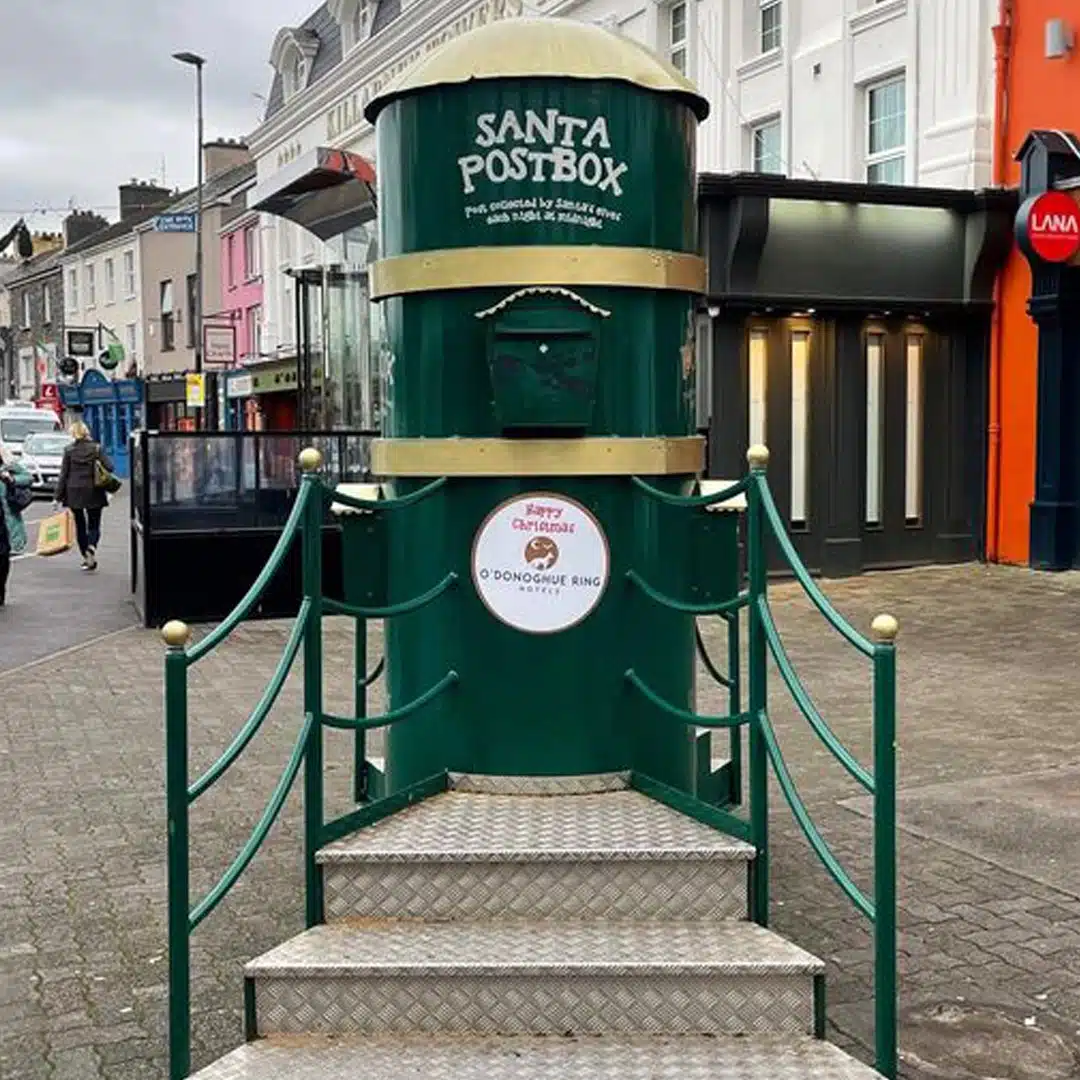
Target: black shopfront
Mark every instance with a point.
(847, 327)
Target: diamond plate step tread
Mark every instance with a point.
(455, 827)
(382, 948)
(538, 1058)
(527, 978)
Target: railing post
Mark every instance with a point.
(735, 705)
(176, 635)
(312, 539)
(360, 772)
(758, 458)
(885, 990)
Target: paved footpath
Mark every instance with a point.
(53, 605)
(990, 865)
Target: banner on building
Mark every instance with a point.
(195, 386)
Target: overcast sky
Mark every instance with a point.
(90, 97)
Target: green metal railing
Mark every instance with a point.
(764, 521)
(306, 520)
(763, 750)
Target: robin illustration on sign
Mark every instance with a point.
(541, 553)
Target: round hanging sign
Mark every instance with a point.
(1048, 226)
(540, 562)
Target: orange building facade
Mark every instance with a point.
(1033, 468)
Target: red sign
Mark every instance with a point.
(1051, 223)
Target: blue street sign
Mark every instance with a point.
(175, 223)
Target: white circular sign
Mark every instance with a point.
(540, 562)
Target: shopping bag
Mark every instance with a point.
(56, 533)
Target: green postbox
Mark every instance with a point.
(538, 264)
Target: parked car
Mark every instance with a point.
(19, 419)
(42, 453)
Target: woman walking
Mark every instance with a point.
(77, 489)
(15, 496)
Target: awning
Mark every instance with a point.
(327, 191)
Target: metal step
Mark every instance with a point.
(553, 1058)
(524, 978)
(617, 855)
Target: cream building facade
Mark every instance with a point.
(892, 91)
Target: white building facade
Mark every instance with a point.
(101, 293)
(869, 91)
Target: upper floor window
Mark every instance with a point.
(46, 304)
(677, 35)
(91, 286)
(765, 147)
(770, 25)
(110, 281)
(129, 274)
(886, 123)
(297, 72)
(251, 252)
(168, 316)
(26, 312)
(230, 260)
(73, 290)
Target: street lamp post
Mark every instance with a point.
(197, 62)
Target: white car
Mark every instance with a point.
(42, 453)
(17, 421)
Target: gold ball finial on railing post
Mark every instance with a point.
(310, 459)
(176, 634)
(885, 628)
(758, 457)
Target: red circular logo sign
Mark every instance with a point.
(1053, 226)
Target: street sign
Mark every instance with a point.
(81, 342)
(1048, 226)
(173, 223)
(219, 346)
(195, 386)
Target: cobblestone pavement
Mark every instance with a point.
(988, 681)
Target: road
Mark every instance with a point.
(52, 605)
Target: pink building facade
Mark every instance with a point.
(242, 286)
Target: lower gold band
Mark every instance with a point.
(538, 457)
(513, 267)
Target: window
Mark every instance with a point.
(297, 72)
(73, 290)
(288, 318)
(800, 425)
(254, 328)
(913, 432)
(91, 286)
(765, 147)
(168, 325)
(875, 403)
(230, 260)
(192, 299)
(26, 310)
(129, 274)
(251, 252)
(356, 27)
(759, 358)
(885, 132)
(677, 36)
(110, 281)
(46, 304)
(131, 345)
(770, 25)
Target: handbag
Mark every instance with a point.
(20, 498)
(107, 481)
